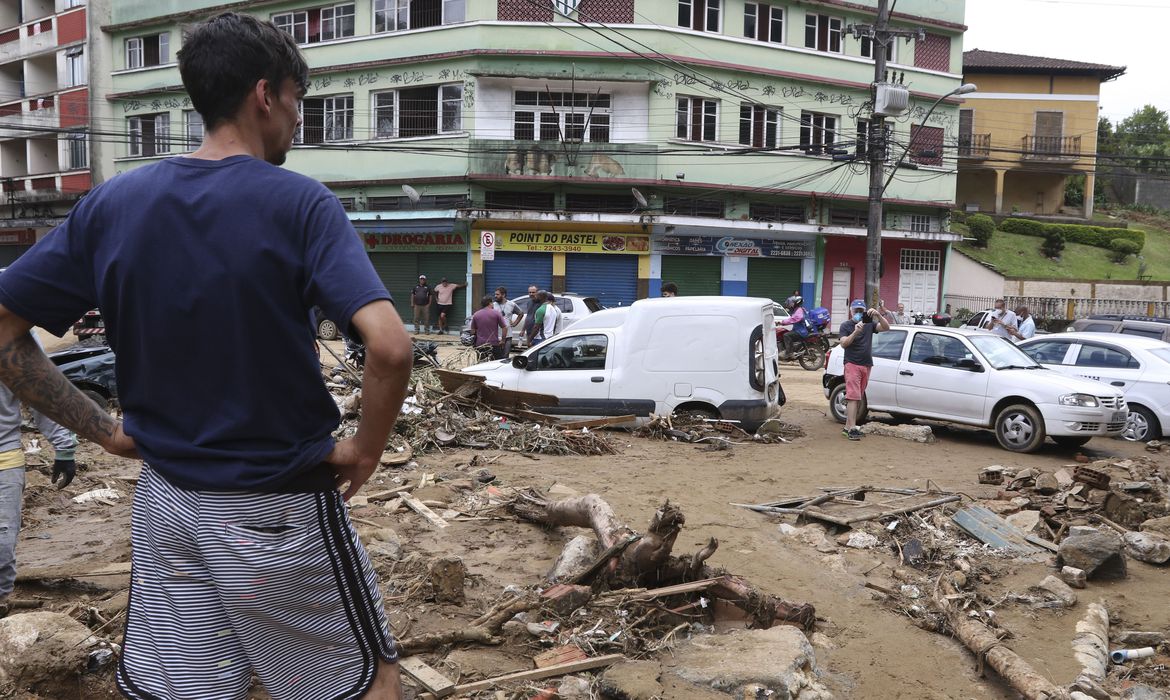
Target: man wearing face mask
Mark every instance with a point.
(857, 340)
(1002, 321)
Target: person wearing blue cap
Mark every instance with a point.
(856, 336)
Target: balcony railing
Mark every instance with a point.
(975, 146)
(1051, 147)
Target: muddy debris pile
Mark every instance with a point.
(700, 428)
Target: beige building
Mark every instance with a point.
(1031, 125)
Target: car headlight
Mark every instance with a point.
(1083, 400)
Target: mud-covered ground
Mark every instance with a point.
(878, 654)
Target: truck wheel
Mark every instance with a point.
(838, 405)
(1143, 426)
(1019, 428)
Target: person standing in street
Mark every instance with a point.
(1002, 322)
(420, 303)
(445, 301)
(486, 324)
(1025, 325)
(511, 313)
(902, 318)
(856, 336)
(530, 308)
(546, 319)
(12, 466)
(885, 313)
(669, 290)
(244, 557)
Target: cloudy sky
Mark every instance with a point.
(1131, 33)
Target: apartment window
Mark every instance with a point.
(146, 51)
(921, 223)
(926, 145)
(700, 15)
(823, 33)
(75, 66)
(317, 25)
(385, 115)
(818, 132)
(763, 22)
(697, 119)
(759, 126)
(554, 116)
(933, 52)
(867, 49)
(429, 111)
(326, 119)
(399, 15)
(76, 150)
(149, 134)
(194, 128)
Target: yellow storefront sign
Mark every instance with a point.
(569, 242)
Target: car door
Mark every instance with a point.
(976, 321)
(933, 381)
(1106, 363)
(883, 378)
(1053, 354)
(576, 369)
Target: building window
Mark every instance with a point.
(146, 51)
(759, 126)
(326, 119)
(891, 49)
(697, 119)
(76, 150)
(317, 25)
(150, 134)
(400, 15)
(570, 116)
(75, 66)
(430, 111)
(818, 132)
(763, 22)
(700, 15)
(823, 33)
(921, 223)
(933, 52)
(194, 129)
(926, 144)
(385, 115)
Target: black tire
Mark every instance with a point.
(812, 358)
(1071, 441)
(1019, 428)
(102, 402)
(837, 405)
(1143, 425)
(327, 330)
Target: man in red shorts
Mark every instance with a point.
(857, 340)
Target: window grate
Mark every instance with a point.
(790, 213)
(690, 206)
(921, 260)
(523, 201)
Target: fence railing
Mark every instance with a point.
(1067, 308)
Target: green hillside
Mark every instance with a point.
(1015, 255)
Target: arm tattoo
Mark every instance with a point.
(36, 381)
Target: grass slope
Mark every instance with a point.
(1015, 255)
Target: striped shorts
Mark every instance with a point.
(229, 584)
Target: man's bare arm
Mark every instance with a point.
(36, 381)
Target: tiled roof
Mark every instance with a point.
(977, 60)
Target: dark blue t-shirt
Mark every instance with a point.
(205, 272)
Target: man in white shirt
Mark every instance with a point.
(1002, 322)
(511, 313)
(1026, 325)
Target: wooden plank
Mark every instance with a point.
(596, 422)
(561, 655)
(388, 494)
(417, 506)
(649, 593)
(537, 674)
(35, 574)
(436, 683)
(504, 398)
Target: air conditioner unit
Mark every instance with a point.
(891, 100)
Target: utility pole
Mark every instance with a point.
(876, 149)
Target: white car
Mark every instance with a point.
(977, 378)
(1139, 367)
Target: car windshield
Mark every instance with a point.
(1162, 354)
(1002, 353)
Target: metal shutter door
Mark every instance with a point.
(695, 275)
(773, 279)
(515, 271)
(613, 279)
(399, 272)
(453, 266)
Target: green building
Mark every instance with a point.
(606, 145)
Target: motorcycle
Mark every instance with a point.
(808, 350)
(426, 353)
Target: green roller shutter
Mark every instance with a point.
(773, 279)
(453, 266)
(695, 275)
(399, 272)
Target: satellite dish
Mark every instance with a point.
(411, 193)
(639, 197)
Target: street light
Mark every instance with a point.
(964, 89)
